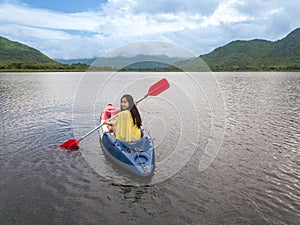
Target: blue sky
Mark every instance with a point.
(69, 6)
(83, 29)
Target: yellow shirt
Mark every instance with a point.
(126, 130)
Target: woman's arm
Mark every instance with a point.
(112, 122)
(107, 122)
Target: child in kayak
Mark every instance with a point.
(128, 123)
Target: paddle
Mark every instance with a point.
(154, 90)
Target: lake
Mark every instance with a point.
(227, 149)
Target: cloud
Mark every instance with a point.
(204, 7)
(199, 26)
(226, 12)
(24, 15)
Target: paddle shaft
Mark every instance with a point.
(96, 128)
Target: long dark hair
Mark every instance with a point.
(133, 110)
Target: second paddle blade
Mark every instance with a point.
(158, 87)
(70, 144)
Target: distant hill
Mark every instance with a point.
(72, 61)
(150, 66)
(253, 55)
(138, 62)
(16, 52)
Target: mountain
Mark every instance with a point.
(15, 56)
(138, 62)
(288, 46)
(15, 52)
(72, 61)
(253, 55)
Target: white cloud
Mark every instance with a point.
(203, 7)
(151, 48)
(199, 26)
(23, 15)
(226, 12)
(35, 32)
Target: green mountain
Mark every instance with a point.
(288, 46)
(11, 51)
(15, 56)
(253, 55)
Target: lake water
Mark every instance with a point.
(227, 149)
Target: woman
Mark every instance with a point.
(128, 123)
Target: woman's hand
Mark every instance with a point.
(107, 122)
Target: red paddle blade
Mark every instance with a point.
(158, 87)
(70, 144)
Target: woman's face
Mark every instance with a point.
(124, 103)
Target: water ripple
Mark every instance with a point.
(253, 180)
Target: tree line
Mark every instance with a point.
(21, 66)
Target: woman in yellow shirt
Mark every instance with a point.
(128, 123)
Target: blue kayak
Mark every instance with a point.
(136, 157)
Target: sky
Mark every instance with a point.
(73, 29)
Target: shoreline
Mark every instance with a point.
(106, 71)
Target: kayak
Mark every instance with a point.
(137, 157)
